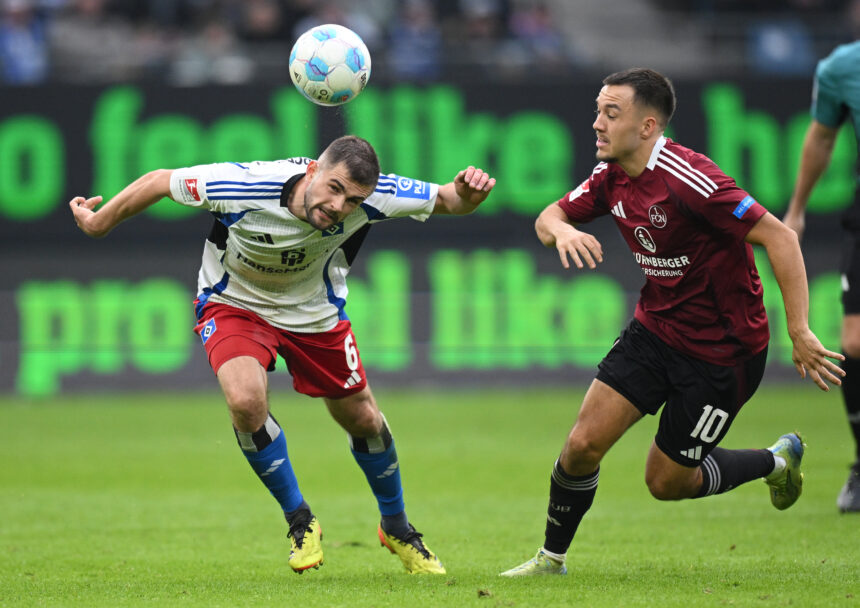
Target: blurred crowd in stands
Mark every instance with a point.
(197, 42)
(778, 37)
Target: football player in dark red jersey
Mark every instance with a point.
(697, 344)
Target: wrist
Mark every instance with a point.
(795, 331)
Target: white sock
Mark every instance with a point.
(778, 466)
(556, 557)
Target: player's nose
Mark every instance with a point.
(338, 204)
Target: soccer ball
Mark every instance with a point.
(329, 65)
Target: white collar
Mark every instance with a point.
(655, 152)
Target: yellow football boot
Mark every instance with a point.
(305, 544)
(417, 558)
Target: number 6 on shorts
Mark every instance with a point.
(351, 352)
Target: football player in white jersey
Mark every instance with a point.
(272, 282)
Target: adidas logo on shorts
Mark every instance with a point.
(354, 379)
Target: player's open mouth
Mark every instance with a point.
(325, 215)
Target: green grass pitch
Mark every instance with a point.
(145, 500)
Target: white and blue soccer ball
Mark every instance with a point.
(329, 64)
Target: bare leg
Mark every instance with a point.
(604, 417)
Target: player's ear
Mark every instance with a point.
(649, 125)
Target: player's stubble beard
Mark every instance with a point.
(607, 158)
(309, 209)
(310, 216)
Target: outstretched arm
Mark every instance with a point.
(131, 200)
(783, 251)
(469, 189)
(554, 229)
(817, 151)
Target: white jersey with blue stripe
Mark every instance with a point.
(261, 257)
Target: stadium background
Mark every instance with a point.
(508, 86)
(122, 487)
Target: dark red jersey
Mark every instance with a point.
(685, 222)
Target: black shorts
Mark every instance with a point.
(702, 399)
(850, 269)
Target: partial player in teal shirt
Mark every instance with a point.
(835, 100)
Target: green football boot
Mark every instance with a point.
(538, 565)
(786, 485)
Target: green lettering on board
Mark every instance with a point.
(825, 310)
(379, 309)
(52, 335)
(112, 137)
(745, 144)
(159, 322)
(751, 147)
(167, 142)
(66, 328)
(427, 134)
(835, 188)
(32, 170)
(124, 148)
(493, 310)
(488, 310)
(535, 156)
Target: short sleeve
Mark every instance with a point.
(398, 196)
(720, 201)
(828, 106)
(188, 186)
(583, 204)
(230, 187)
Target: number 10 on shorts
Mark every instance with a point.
(710, 424)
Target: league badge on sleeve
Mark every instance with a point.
(412, 188)
(192, 189)
(583, 187)
(743, 206)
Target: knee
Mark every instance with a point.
(666, 488)
(366, 423)
(581, 455)
(364, 419)
(661, 490)
(247, 410)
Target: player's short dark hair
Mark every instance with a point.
(358, 156)
(650, 88)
